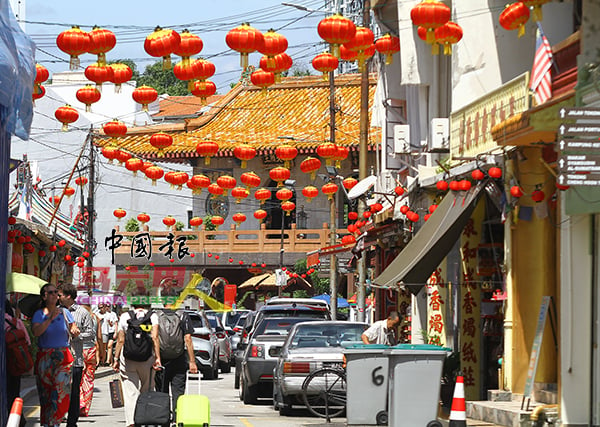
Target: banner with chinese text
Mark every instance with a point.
(437, 302)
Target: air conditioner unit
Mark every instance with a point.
(401, 139)
(386, 182)
(439, 137)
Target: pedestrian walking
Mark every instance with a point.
(382, 331)
(52, 326)
(67, 295)
(86, 390)
(175, 336)
(109, 326)
(137, 354)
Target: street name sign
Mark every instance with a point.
(579, 129)
(580, 113)
(579, 163)
(588, 145)
(588, 180)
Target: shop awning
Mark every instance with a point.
(422, 255)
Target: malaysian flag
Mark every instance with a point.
(541, 78)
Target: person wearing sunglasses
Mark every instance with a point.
(53, 326)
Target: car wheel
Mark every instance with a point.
(225, 367)
(285, 410)
(250, 394)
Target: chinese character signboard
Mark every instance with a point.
(437, 301)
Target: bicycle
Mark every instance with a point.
(324, 392)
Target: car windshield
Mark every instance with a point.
(232, 317)
(276, 326)
(325, 335)
(213, 321)
(197, 321)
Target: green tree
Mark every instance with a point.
(164, 81)
(132, 225)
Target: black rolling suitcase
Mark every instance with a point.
(153, 408)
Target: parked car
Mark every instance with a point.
(238, 329)
(309, 346)
(290, 300)
(224, 343)
(241, 346)
(318, 312)
(260, 357)
(206, 345)
(228, 317)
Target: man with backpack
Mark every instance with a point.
(175, 337)
(137, 353)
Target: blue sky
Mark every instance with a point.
(133, 20)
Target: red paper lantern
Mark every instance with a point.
(260, 214)
(310, 192)
(238, 218)
(277, 64)
(432, 208)
(538, 196)
(88, 95)
(188, 71)
(327, 151)
(169, 221)
(537, 8)
(262, 79)
(288, 207)
(348, 239)
(195, 222)
(310, 165)
(347, 54)
(69, 191)
(399, 191)
(287, 153)
(284, 194)
(110, 153)
(464, 185)
(279, 175)
(360, 43)
(273, 44)
(430, 14)
(81, 181)
(352, 228)
(352, 216)
(161, 43)
(12, 220)
(376, 207)
(516, 191)
(121, 73)
(66, 115)
(101, 41)
(262, 195)
(38, 92)
(217, 221)
(250, 180)
(336, 30)
(119, 213)
(448, 34)
(454, 185)
(134, 165)
(325, 63)
(215, 189)
(41, 74)
(329, 189)
(239, 193)
(143, 218)
(495, 173)
(349, 183)
(245, 153)
(514, 17)
(226, 182)
(244, 39)
(388, 45)
(160, 141)
(67, 258)
(42, 253)
(426, 217)
(73, 42)
(341, 153)
(189, 45)
(52, 248)
(442, 185)
(477, 175)
(115, 129)
(207, 149)
(154, 173)
(144, 95)
(367, 214)
(204, 89)
(123, 156)
(404, 209)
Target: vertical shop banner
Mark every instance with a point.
(230, 294)
(470, 304)
(437, 301)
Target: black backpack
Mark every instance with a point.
(170, 334)
(138, 341)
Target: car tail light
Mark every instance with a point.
(237, 329)
(202, 336)
(220, 335)
(257, 351)
(344, 362)
(296, 367)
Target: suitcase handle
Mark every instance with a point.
(189, 378)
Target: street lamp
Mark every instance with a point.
(288, 183)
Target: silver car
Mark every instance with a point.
(225, 354)
(308, 347)
(206, 345)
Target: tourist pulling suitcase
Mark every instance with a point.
(193, 408)
(153, 408)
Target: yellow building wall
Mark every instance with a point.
(533, 274)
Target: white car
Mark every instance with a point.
(206, 345)
(225, 353)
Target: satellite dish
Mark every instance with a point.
(362, 187)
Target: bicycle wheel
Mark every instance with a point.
(324, 392)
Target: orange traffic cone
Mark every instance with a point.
(15, 413)
(458, 412)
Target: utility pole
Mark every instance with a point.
(332, 213)
(91, 243)
(361, 264)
